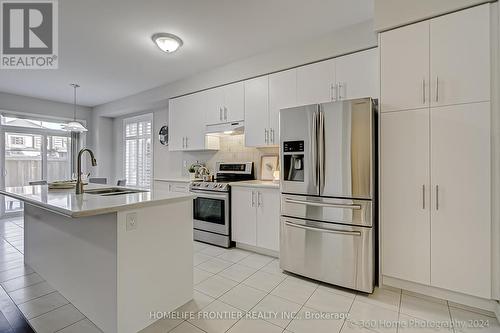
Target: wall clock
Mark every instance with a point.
(163, 135)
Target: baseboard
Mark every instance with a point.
(488, 305)
(259, 250)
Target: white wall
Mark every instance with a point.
(354, 38)
(43, 107)
(393, 13)
(103, 147)
(50, 109)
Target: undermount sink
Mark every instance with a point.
(113, 191)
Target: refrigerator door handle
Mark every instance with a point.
(323, 204)
(330, 231)
(321, 150)
(314, 149)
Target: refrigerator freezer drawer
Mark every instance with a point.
(345, 211)
(333, 253)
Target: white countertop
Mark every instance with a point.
(257, 183)
(177, 180)
(66, 202)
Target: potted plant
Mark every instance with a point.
(192, 172)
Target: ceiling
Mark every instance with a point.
(105, 46)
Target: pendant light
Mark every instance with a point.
(74, 126)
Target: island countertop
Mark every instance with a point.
(66, 202)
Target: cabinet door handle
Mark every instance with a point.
(437, 197)
(334, 91)
(437, 88)
(423, 90)
(225, 113)
(340, 86)
(259, 199)
(186, 141)
(220, 113)
(183, 144)
(423, 196)
(266, 136)
(253, 199)
(272, 135)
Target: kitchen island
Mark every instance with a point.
(118, 256)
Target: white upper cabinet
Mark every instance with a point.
(257, 132)
(357, 75)
(194, 126)
(264, 97)
(443, 61)
(187, 124)
(461, 198)
(404, 68)
(214, 111)
(405, 195)
(234, 102)
(315, 83)
(225, 104)
(177, 120)
(282, 94)
(460, 57)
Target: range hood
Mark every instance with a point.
(233, 128)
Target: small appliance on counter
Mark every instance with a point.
(327, 229)
(212, 206)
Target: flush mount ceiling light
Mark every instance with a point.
(74, 126)
(167, 42)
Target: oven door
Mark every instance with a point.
(211, 212)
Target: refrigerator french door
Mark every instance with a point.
(327, 149)
(327, 192)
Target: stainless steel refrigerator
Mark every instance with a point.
(327, 229)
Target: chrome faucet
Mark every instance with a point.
(79, 183)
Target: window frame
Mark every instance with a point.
(136, 119)
(44, 133)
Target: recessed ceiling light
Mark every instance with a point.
(167, 42)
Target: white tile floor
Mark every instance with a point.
(242, 284)
(251, 294)
(46, 310)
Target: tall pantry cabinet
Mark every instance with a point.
(435, 152)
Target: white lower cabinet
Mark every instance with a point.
(461, 200)
(436, 197)
(405, 243)
(255, 216)
(171, 186)
(243, 215)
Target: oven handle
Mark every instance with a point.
(330, 231)
(206, 194)
(323, 204)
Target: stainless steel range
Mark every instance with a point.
(212, 206)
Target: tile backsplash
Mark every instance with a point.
(232, 149)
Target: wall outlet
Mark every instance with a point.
(131, 221)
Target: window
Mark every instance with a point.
(34, 150)
(17, 140)
(138, 157)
